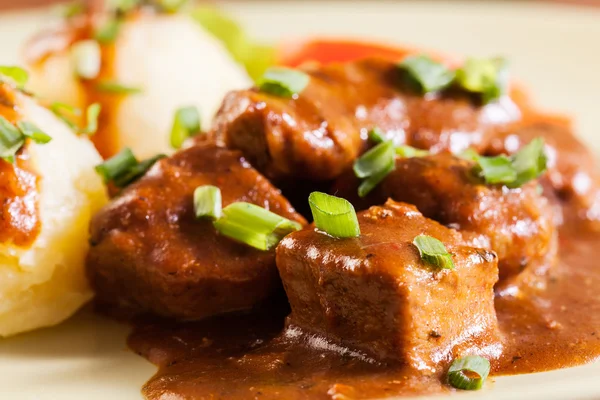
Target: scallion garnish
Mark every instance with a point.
(409, 152)
(92, 113)
(124, 6)
(376, 135)
(468, 373)
(17, 75)
(207, 202)
(487, 77)
(514, 171)
(283, 82)
(32, 131)
(136, 172)
(374, 166)
(108, 32)
(433, 252)
(117, 165)
(11, 140)
(117, 88)
(185, 124)
(254, 226)
(86, 56)
(171, 6)
(429, 75)
(334, 215)
(530, 162)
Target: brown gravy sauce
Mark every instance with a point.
(251, 356)
(20, 221)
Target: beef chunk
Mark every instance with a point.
(150, 254)
(572, 172)
(319, 134)
(515, 223)
(375, 295)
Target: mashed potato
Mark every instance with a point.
(45, 283)
(170, 58)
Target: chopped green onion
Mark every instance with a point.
(171, 6)
(255, 57)
(86, 56)
(70, 10)
(207, 202)
(108, 32)
(376, 135)
(117, 165)
(433, 252)
(30, 130)
(488, 77)
(137, 171)
(429, 75)
(11, 140)
(15, 74)
(496, 170)
(409, 152)
(367, 185)
(374, 160)
(59, 109)
(185, 124)
(283, 82)
(117, 88)
(374, 166)
(92, 113)
(530, 162)
(334, 215)
(525, 165)
(123, 6)
(254, 226)
(468, 373)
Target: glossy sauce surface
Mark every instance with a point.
(19, 214)
(239, 357)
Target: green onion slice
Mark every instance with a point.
(87, 58)
(372, 181)
(137, 171)
(409, 152)
(254, 226)
(530, 162)
(108, 32)
(433, 252)
(92, 113)
(468, 373)
(171, 6)
(377, 136)
(207, 202)
(334, 215)
(185, 124)
(283, 82)
(32, 131)
(429, 75)
(17, 75)
(374, 160)
(488, 77)
(11, 140)
(117, 88)
(117, 165)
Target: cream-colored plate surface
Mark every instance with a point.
(554, 49)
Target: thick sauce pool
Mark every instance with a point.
(251, 356)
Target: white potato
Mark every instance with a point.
(45, 283)
(175, 63)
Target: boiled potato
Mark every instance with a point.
(169, 57)
(43, 283)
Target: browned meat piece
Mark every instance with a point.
(572, 171)
(150, 254)
(319, 134)
(374, 294)
(515, 223)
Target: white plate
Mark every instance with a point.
(554, 49)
